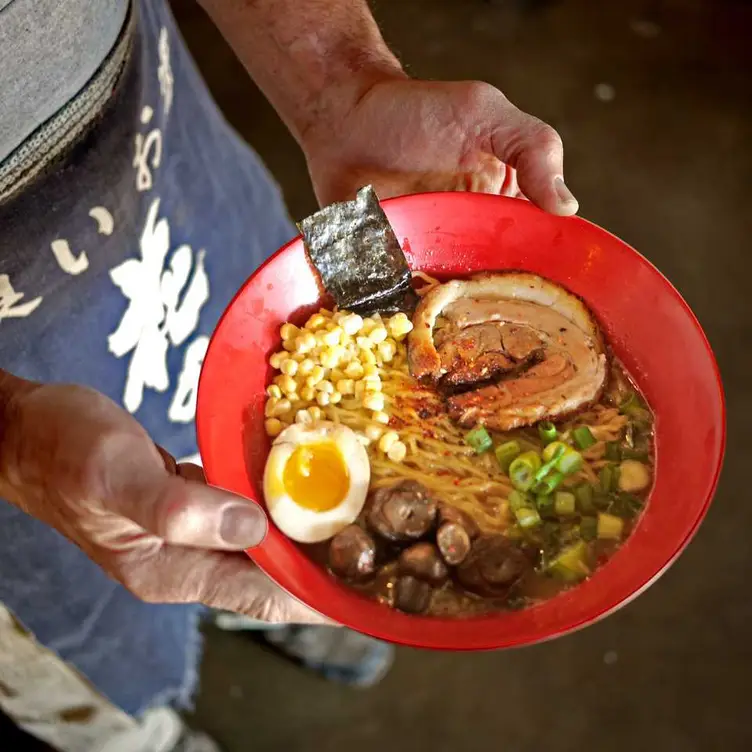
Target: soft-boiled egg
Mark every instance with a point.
(316, 480)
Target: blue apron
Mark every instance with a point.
(114, 269)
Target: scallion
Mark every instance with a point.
(527, 517)
(518, 500)
(547, 431)
(609, 478)
(570, 565)
(635, 454)
(549, 483)
(554, 449)
(613, 451)
(584, 495)
(589, 528)
(565, 504)
(507, 452)
(547, 467)
(479, 439)
(583, 437)
(522, 470)
(610, 527)
(545, 504)
(569, 462)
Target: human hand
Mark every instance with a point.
(406, 136)
(75, 460)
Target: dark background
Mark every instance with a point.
(654, 102)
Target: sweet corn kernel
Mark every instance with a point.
(316, 321)
(274, 391)
(373, 400)
(305, 342)
(338, 316)
(368, 326)
(276, 360)
(344, 386)
(387, 349)
(381, 417)
(287, 384)
(336, 375)
(335, 398)
(333, 337)
(289, 345)
(360, 388)
(354, 370)
(305, 366)
(317, 373)
(387, 441)
(351, 324)
(378, 334)
(289, 367)
(303, 417)
(273, 427)
(270, 405)
(315, 412)
(322, 398)
(325, 386)
(372, 383)
(370, 370)
(368, 356)
(364, 343)
(288, 331)
(397, 452)
(307, 394)
(374, 432)
(399, 326)
(331, 357)
(283, 406)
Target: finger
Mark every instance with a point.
(224, 581)
(535, 150)
(180, 511)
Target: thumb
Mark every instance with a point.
(181, 511)
(535, 150)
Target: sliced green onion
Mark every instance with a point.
(609, 478)
(601, 499)
(546, 468)
(554, 449)
(518, 500)
(569, 462)
(584, 495)
(610, 527)
(635, 454)
(506, 452)
(549, 483)
(589, 528)
(479, 439)
(629, 404)
(545, 504)
(565, 504)
(583, 437)
(522, 470)
(527, 517)
(569, 565)
(613, 451)
(547, 431)
(626, 505)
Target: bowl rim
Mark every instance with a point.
(502, 640)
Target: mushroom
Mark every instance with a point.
(448, 513)
(413, 596)
(402, 512)
(352, 554)
(493, 565)
(423, 561)
(454, 542)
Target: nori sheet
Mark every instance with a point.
(358, 257)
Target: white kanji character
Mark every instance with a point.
(9, 298)
(183, 405)
(163, 310)
(148, 153)
(164, 71)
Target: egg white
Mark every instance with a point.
(305, 525)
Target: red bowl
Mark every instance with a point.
(650, 327)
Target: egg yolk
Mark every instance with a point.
(316, 477)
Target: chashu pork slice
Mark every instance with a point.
(521, 348)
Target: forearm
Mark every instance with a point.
(313, 59)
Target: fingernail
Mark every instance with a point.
(243, 525)
(566, 197)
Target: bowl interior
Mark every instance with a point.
(649, 326)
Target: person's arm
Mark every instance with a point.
(326, 69)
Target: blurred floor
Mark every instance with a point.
(654, 102)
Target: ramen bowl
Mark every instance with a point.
(649, 326)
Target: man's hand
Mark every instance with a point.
(75, 460)
(408, 136)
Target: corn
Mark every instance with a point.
(315, 412)
(370, 370)
(273, 427)
(387, 350)
(307, 394)
(305, 342)
(399, 326)
(303, 417)
(354, 370)
(283, 406)
(345, 386)
(372, 382)
(378, 334)
(274, 391)
(322, 398)
(368, 356)
(317, 373)
(374, 432)
(337, 316)
(316, 321)
(387, 441)
(381, 417)
(397, 452)
(331, 357)
(333, 337)
(289, 367)
(360, 388)
(289, 345)
(351, 324)
(336, 375)
(288, 331)
(271, 404)
(364, 343)
(287, 384)
(325, 386)
(276, 360)
(305, 366)
(335, 398)
(373, 401)
(368, 326)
